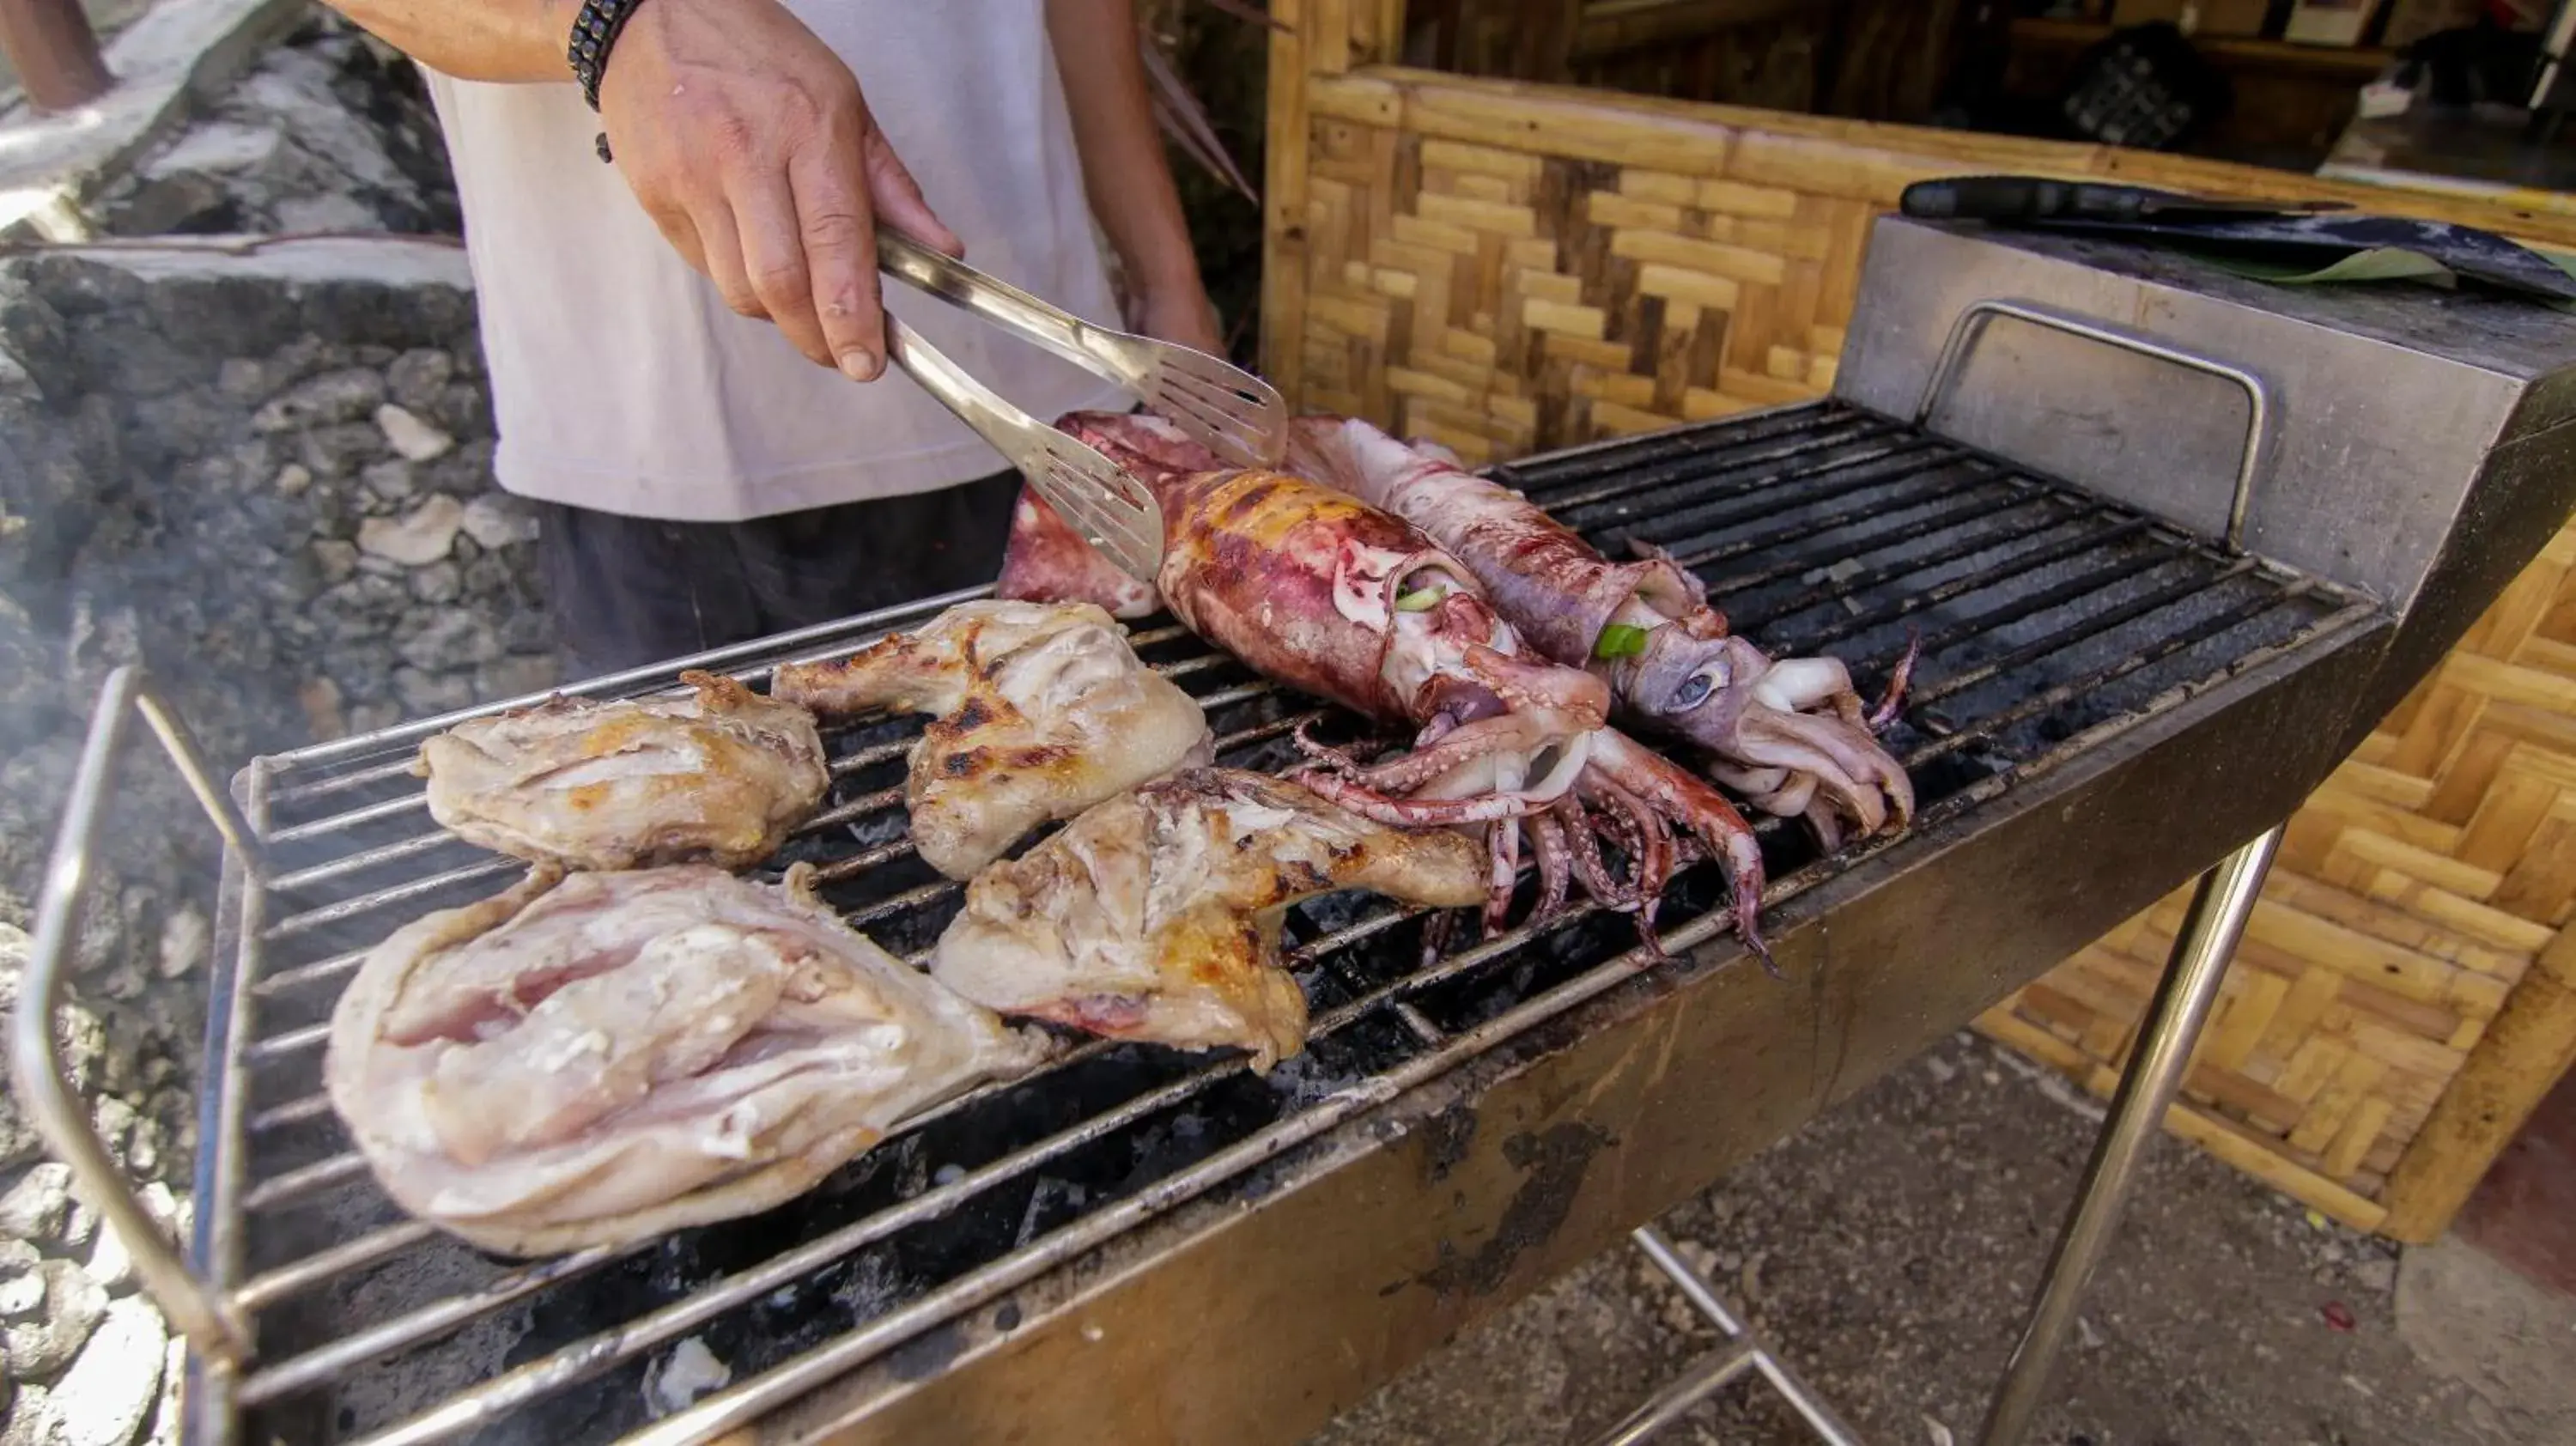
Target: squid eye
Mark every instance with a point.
(1696, 688)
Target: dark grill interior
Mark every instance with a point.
(2049, 621)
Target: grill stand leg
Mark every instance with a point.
(2210, 931)
(1742, 1351)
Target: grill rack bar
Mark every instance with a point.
(1688, 457)
(310, 1037)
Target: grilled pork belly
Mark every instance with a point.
(718, 777)
(1042, 711)
(1156, 915)
(600, 1058)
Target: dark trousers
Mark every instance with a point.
(629, 591)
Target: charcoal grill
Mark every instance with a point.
(2123, 682)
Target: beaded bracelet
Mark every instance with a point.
(594, 29)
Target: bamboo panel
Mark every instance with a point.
(1506, 268)
(1474, 276)
(2413, 895)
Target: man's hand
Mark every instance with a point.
(1179, 312)
(748, 143)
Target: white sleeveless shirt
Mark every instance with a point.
(621, 382)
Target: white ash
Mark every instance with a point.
(675, 1381)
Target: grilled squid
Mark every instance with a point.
(1793, 734)
(1320, 591)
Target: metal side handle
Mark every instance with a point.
(2257, 458)
(35, 1056)
(1042, 323)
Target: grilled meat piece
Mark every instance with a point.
(603, 1057)
(718, 777)
(1156, 915)
(1043, 710)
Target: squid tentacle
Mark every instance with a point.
(1892, 706)
(1503, 847)
(1555, 864)
(1589, 867)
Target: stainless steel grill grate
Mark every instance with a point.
(2050, 623)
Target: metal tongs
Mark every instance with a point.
(1236, 414)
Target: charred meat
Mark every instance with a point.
(1041, 712)
(716, 777)
(600, 1058)
(1156, 915)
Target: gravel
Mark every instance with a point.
(1889, 1250)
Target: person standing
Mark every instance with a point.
(681, 312)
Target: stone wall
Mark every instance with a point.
(261, 469)
(330, 131)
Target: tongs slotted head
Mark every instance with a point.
(1235, 414)
(1115, 511)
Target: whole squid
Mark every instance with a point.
(1793, 735)
(1320, 591)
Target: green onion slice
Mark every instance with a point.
(1619, 640)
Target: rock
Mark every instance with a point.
(452, 640)
(496, 520)
(341, 448)
(35, 1207)
(241, 379)
(2377, 1273)
(109, 1264)
(418, 376)
(18, 1140)
(390, 479)
(167, 1210)
(412, 439)
(346, 395)
(80, 1227)
(184, 942)
(22, 1280)
(337, 559)
(73, 1305)
(424, 694)
(293, 478)
(320, 699)
(106, 1395)
(439, 582)
(528, 630)
(516, 675)
(420, 537)
(114, 1120)
(31, 1420)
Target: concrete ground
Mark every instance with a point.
(1889, 1251)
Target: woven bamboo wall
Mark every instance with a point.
(2413, 898)
(1507, 268)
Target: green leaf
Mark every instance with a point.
(1420, 599)
(2379, 263)
(1619, 640)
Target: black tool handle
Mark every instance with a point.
(2022, 198)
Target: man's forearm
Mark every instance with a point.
(508, 40)
(1124, 170)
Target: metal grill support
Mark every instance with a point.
(2219, 910)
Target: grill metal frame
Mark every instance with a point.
(847, 1380)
